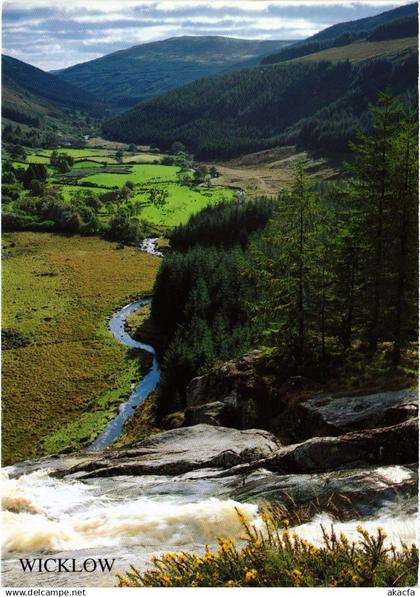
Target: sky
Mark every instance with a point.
(52, 34)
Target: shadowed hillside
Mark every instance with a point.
(126, 77)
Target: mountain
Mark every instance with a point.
(316, 104)
(397, 23)
(23, 78)
(365, 25)
(127, 77)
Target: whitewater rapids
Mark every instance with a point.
(131, 520)
(47, 515)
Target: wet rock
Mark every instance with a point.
(337, 414)
(351, 493)
(181, 450)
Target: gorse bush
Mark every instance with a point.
(276, 557)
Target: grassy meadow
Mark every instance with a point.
(58, 293)
(362, 50)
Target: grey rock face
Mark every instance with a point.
(388, 445)
(213, 413)
(334, 415)
(240, 393)
(181, 450)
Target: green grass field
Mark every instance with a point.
(59, 292)
(182, 202)
(34, 158)
(88, 164)
(79, 153)
(141, 174)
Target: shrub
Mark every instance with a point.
(13, 221)
(36, 187)
(274, 557)
(123, 228)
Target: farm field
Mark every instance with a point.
(138, 174)
(58, 293)
(99, 172)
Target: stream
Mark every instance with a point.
(117, 326)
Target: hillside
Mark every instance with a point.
(365, 25)
(401, 22)
(20, 76)
(315, 104)
(46, 109)
(365, 50)
(127, 77)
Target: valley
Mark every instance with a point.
(58, 294)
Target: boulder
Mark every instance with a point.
(213, 413)
(181, 450)
(337, 414)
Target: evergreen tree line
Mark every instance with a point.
(404, 27)
(200, 305)
(223, 225)
(339, 269)
(333, 274)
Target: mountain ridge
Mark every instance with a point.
(127, 76)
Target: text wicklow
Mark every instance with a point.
(60, 565)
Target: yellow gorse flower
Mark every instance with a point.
(251, 575)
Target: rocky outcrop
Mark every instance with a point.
(338, 414)
(238, 388)
(354, 493)
(180, 450)
(205, 446)
(388, 445)
(242, 393)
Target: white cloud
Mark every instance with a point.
(114, 6)
(55, 33)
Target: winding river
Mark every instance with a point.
(117, 326)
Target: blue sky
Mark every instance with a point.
(54, 34)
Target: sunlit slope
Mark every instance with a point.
(363, 50)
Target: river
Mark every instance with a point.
(117, 326)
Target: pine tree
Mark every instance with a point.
(372, 172)
(405, 233)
